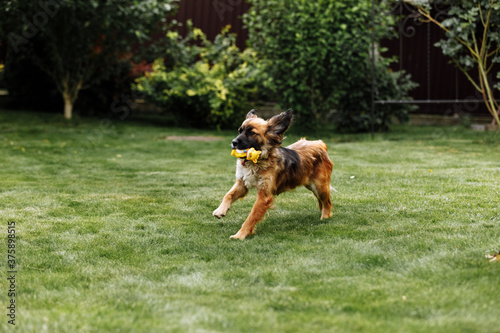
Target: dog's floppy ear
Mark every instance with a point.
(280, 123)
(252, 114)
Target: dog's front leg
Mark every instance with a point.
(238, 190)
(263, 203)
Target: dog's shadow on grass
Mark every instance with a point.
(284, 222)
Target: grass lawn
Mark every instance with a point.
(115, 233)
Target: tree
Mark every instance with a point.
(319, 52)
(80, 42)
(472, 41)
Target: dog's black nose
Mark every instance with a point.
(234, 144)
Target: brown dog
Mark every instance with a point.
(278, 169)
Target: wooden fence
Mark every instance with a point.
(212, 15)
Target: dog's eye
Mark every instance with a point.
(240, 130)
(253, 133)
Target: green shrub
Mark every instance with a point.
(320, 52)
(204, 83)
(354, 112)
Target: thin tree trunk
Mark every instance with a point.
(70, 94)
(68, 105)
(494, 122)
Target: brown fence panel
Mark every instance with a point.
(212, 15)
(439, 80)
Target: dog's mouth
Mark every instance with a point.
(241, 153)
(250, 154)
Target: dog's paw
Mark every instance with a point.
(326, 215)
(218, 213)
(238, 236)
(242, 234)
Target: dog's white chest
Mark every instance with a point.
(247, 174)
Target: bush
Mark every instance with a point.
(29, 87)
(320, 52)
(354, 112)
(203, 83)
(97, 99)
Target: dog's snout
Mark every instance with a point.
(234, 144)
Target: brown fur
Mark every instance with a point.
(277, 170)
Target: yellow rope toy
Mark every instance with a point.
(250, 154)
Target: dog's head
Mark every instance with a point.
(262, 135)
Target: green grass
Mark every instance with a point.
(115, 233)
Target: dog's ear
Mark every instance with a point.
(280, 123)
(252, 114)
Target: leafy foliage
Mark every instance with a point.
(204, 83)
(319, 51)
(473, 43)
(80, 43)
(354, 115)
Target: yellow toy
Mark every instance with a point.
(250, 154)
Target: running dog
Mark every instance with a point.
(277, 170)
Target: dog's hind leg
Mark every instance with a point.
(321, 181)
(238, 191)
(324, 199)
(320, 186)
(314, 190)
(263, 203)
(322, 193)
